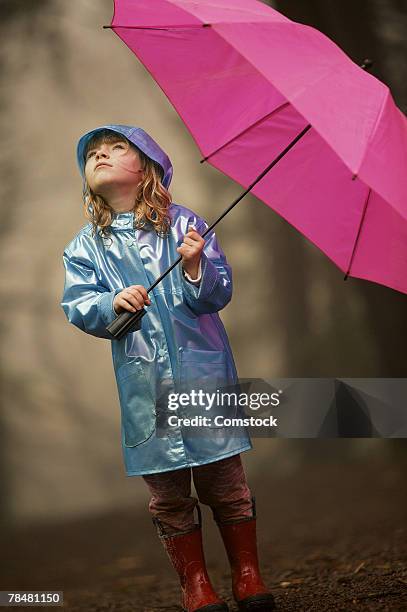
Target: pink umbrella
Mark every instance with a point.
(254, 87)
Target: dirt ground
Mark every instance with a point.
(331, 538)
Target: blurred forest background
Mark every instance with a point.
(292, 315)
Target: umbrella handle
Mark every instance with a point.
(126, 322)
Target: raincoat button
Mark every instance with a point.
(180, 348)
(161, 352)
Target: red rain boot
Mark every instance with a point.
(186, 555)
(249, 590)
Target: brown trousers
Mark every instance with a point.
(221, 485)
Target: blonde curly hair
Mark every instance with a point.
(153, 200)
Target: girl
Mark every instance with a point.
(134, 233)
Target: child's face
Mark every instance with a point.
(111, 167)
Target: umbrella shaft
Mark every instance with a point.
(242, 195)
(265, 171)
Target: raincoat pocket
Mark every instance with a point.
(206, 373)
(137, 404)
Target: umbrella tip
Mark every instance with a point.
(367, 63)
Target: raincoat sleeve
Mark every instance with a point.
(215, 288)
(86, 302)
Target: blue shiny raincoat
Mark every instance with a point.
(182, 336)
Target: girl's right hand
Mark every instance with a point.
(131, 298)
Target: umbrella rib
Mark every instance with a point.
(358, 234)
(174, 27)
(276, 110)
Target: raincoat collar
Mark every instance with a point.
(123, 220)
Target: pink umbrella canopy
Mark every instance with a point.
(247, 81)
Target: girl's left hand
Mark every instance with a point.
(191, 249)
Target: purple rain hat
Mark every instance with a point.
(138, 137)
